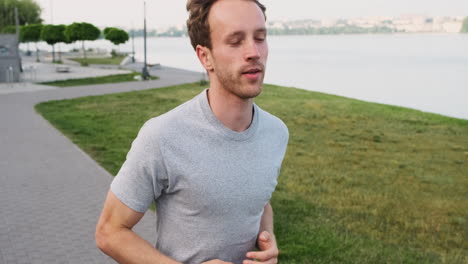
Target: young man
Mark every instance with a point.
(210, 164)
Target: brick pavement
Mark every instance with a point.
(51, 192)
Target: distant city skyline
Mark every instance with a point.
(128, 14)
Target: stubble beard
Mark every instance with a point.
(232, 82)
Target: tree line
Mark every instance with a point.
(33, 31)
(54, 34)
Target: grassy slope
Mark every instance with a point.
(116, 78)
(361, 182)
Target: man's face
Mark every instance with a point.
(239, 47)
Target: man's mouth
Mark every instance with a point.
(252, 71)
(252, 74)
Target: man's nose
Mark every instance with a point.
(252, 51)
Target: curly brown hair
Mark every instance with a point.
(197, 23)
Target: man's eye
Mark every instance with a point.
(260, 38)
(235, 43)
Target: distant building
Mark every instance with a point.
(452, 27)
(275, 25)
(328, 22)
(9, 58)
(412, 23)
(449, 24)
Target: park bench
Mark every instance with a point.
(62, 69)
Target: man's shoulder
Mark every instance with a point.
(172, 120)
(272, 123)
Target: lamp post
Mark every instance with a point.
(133, 44)
(144, 73)
(17, 39)
(51, 2)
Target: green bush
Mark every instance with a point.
(114, 53)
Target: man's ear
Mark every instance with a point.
(204, 55)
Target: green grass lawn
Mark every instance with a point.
(360, 183)
(126, 77)
(107, 60)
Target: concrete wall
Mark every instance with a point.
(9, 58)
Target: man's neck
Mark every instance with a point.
(234, 112)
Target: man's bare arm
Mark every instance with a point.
(266, 223)
(266, 242)
(114, 235)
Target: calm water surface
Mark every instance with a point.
(425, 72)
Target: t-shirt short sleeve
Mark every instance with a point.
(141, 178)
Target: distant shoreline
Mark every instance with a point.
(337, 34)
(322, 34)
(362, 25)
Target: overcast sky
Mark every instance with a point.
(162, 13)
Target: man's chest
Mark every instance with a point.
(222, 179)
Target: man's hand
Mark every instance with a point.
(217, 261)
(268, 253)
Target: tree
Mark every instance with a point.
(464, 28)
(53, 34)
(82, 32)
(31, 33)
(64, 39)
(106, 30)
(29, 12)
(116, 36)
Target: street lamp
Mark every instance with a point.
(133, 44)
(144, 73)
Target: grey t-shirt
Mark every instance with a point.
(210, 183)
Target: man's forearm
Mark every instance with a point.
(127, 247)
(266, 223)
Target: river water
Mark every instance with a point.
(426, 72)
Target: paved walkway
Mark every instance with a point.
(51, 192)
(46, 72)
